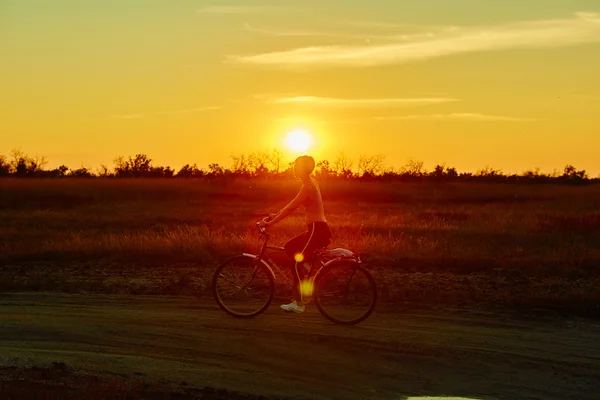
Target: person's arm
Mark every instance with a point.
(290, 208)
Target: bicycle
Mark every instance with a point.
(249, 280)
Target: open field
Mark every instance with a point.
(188, 343)
(476, 245)
(462, 271)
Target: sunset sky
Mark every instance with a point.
(511, 84)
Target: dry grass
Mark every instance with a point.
(500, 245)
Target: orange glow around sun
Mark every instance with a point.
(298, 140)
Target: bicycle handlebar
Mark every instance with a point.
(263, 231)
(260, 229)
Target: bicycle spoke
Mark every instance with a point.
(242, 287)
(345, 293)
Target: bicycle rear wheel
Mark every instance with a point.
(344, 292)
(243, 287)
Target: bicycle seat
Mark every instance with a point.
(329, 254)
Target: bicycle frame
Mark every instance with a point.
(264, 258)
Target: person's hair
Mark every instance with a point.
(305, 163)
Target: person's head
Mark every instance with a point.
(304, 166)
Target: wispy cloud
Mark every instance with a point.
(345, 121)
(469, 117)
(457, 117)
(174, 112)
(325, 121)
(187, 111)
(290, 32)
(579, 29)
(128, 116)
(237, 9)
(357, 103)
(381, 25)
(362, 37)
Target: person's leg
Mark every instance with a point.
(321, 238)
(301, 249)
(302, 256)
(293, 248)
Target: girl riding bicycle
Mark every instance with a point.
(318, 234)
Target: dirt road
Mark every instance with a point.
(390, 356)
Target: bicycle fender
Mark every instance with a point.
(263, 262)
(355, 259)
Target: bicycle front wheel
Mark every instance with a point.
(344, 292)
(243, 287)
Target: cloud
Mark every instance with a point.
(378, 24)
(187, 111)
(289, 32)
(474, 117)
(390, 26)
(457, 117)
(235, 9)
(128, 116)
(325, 121)
(357, 103)
(343, 121)
(321, 33)
(579, 29)
(174, 112)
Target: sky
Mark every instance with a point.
(513, 85)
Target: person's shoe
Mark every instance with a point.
(293, 307)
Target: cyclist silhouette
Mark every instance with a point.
(318, 235)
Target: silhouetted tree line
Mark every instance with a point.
(272, 165)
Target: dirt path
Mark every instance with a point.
(390, 356)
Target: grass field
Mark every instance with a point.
(479, 245)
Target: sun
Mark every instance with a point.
(298, 140)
